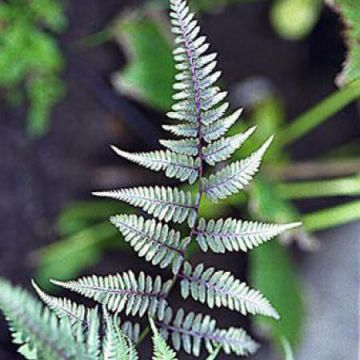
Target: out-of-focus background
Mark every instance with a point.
(77, 76)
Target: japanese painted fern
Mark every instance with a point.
(200, 123)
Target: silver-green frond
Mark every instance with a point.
(123, 292)
(64, 307)
(221, 288)
(37, 331)
(162, 351)
(190, 331)
(223, 148)
(164, 203)
(175, 165)
(185, 146)
(235, 176)
(116, 346)
(217, 129)
(159, 244)
(236, 235)
(210, 133)
(199, 101)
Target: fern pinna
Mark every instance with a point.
(201, 121)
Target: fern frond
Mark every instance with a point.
(217, 129)
(175, 165)
(199, 101)
(159, 244)
(187, 146)
(221, 288)
(116, 346)
(235, 235)
(190, 331)
(64, 307)
(184, 130)
(93, 342)
(36, 330)
(222, 149)
(162, 350)
(210, 133)
(214, 354)
(235, 176)
(123, 292)
(131, 331)
(164, 203)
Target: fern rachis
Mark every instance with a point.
(201, 122)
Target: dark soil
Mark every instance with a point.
(37, 178)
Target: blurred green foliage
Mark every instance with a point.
(295, 19)
(272, 271)
(149, 75)
(30, 60)
(350, 13)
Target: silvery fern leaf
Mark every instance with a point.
(64, 307)
(187, 146)
(164, 203)
(159, 244)
(131, 331)
(116, 346)
(210, 133)
(175, 165)
(189, 332)
(93, 341)
(221, 288)
(217, 129)
(236, 235)
(185, 130)
(162, 351)
(199, 100)
(222, 149)
(235, 176)
(38, 332)
(123, 292)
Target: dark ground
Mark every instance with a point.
(37, 178)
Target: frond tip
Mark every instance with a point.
(63, 308)
(162, 350)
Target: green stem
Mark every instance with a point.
(338, 215)
(314, 189)
(320, 113)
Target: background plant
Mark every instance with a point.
(27, 36)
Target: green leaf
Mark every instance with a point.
(65, 259)
(274, 274)
(150, 71)
(349, 10)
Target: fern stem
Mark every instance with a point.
(349, 186)
(312, 169)
(197, 98)
(338, 215)
(320, 113)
